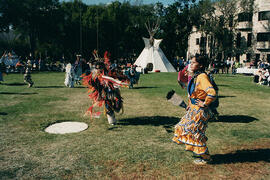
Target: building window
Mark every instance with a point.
(221, 21)
(264, 15)
(203, 41)
(249, 38)
(257, 57)
(242, 17)
(203, 45)
(248, 57)
(231, 21)
(261, 37)
(238, 40)
(197, 41)
(210, 41)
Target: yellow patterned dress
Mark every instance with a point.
(191, 129)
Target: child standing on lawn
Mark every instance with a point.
(191, 129)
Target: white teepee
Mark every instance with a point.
(154, 54)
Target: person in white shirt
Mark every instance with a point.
(228, 65)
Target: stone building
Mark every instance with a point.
(252, 31)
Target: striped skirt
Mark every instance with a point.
(191, 130)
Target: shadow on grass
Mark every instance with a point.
(242, 156)
(13, 93)
(236, 119)
(113, 128)
(49, 87)
(7, 174)
(3, 113)
(225, 96)
(14, 84)
(143, 87)
(166, 121)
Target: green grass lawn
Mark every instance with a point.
(140, 146)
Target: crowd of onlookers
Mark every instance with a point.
(226, 66)
(16, 64)
(13, 63)
(215, 65)
(261, 77)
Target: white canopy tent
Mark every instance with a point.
(155, 56)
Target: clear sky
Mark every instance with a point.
(165, 2)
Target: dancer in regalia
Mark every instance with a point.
(27, 74)
(133, 76)
(103, 84)
(185, 75)
(69, 80)
(191, 128)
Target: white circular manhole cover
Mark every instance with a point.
(66, 127)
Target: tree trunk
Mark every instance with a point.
(32, 42)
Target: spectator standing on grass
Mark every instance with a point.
(40, 64)
(237, 64)
(191, 129)
(233, 67)
(222, 65)
(78, 69)
(228, 65)
(216, 67)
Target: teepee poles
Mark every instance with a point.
(152, 29)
